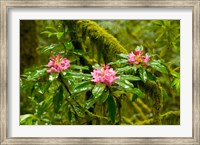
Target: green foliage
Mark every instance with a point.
(140, 94)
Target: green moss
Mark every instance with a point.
(153, 91)
(106, 43)
(169, 118)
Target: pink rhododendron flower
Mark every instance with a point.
(104, 75)
(146, 58)
(137, 57)
(57, 63)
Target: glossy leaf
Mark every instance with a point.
(24, 118)
(77, 75)
(59, 35)
(126, 85)
(58, 98)
(138, 92)
(84, 86)
(68, 45)
(130, 77)
(98, 90)
(89, 103)
(111, 108)
(151, 76)
(120, 61)
(36, 75)
(53, 76)
(48, 48)
(79, 67)
(126, 69)
(123, 55)
(143, 74)
(158, 66)
(104, 96)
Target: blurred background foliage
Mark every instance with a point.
(161, 37)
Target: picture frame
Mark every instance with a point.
(4, 59)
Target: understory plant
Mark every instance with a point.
(74, 88)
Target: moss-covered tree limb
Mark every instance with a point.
(171, 117)
(108, 43)
(76, 41)
(153, 91)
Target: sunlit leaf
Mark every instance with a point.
(130, 77)
(123, 55)
(126, 85)
(98, 90)
(79, 67)
(126, 69)
(59, 35)
(120, 61)
(158, 66)
(143, 74)
(53, 76)
(48, 48)
(68, 45)
(89, 103)
(84, 86)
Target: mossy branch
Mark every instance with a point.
(109, 44)
(153, 90)
(171, 117)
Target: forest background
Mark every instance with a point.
(143, 95)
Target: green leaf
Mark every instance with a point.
(45, 87)
(79, 67)
(120, 61)
(84, 86)
(143, 74)
(111, 108)
(126, 85)
(98, 90)
(138, 92)
(176, 83)
(151, 76)
(123, 55)
(164, 94)
(59, 35)
(175, 74)
(75, 75)
(68, 45)
(27, 119)
(48, 48)
(58, 98)
(104, 96)
(155, 64)
(96, 66)
(134, 97)
(126, 69)
(139, 48)
(46, 32)
(89, 103)
(130, 77)
(36, 75)
(78, 52)
(53, 76)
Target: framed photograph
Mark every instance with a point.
(100, 72)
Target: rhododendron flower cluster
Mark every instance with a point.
(104, 75)
(138, 57)
(57, 63)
